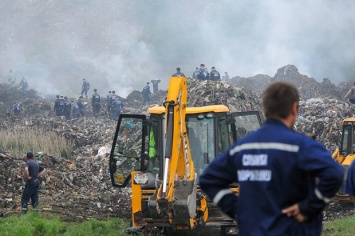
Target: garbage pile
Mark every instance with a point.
(80, 187)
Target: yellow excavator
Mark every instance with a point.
(345, 154)
(161, 156)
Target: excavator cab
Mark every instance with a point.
(138, 150)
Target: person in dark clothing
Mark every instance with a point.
(75, 109)
(67, 108)
(81, 107)
(61, 106)
(56, 106)
(226, 76)
(96, 103)
(214, 74)
(146, 94)
(116, 108)
(195, 73)
(108, 103)
(203, 73)
(285, 178)
(155, 83)
(178, 72)
(23, 84)
(351, 94)
(16, 109)
(32, 172)
(85, 88)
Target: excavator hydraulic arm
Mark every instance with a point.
(176, 193)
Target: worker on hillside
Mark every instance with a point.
(203, 73)
(351, 94)
(96, 103)
(108, 103)
(195, 73)
(67, 108)
(146, 93)
(61, 106)
(286, 179)
(32, 171)
(56, 105)
(16, 109)
(23, 84)
(214, 74)
(81, 106)
(75, 109)
(226, 76)
(178, 72)
(85, 88)
(116, 107)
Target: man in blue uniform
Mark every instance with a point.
(285, 178)
(23, 84)
(146, 93)
(96, 103)
(56, 106)
(116, 107)
(214, 74)
(203, 73)
(85, 88)
(178, 72)
(67, 108)
(32, 171)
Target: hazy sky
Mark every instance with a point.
(121, 44)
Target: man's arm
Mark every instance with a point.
(27, 173)
(41, 171)
(317, 162)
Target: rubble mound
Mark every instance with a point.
(308, 87)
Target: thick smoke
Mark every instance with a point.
(119, 45)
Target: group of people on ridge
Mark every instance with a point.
(76, 108)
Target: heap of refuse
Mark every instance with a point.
(79, 187)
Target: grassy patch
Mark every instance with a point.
(34, 224)
(340, 227)
(20, 141)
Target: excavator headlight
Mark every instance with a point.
(209, 115)
(200, 117)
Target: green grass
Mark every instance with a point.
(34, 224)
(340, 227)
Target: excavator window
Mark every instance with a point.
(155, 143)
(347, 140)
(128, 150)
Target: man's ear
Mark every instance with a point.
(294, 110)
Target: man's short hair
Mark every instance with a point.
(278, 99)
(95, 90)
(178, 68)
(29, 155)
